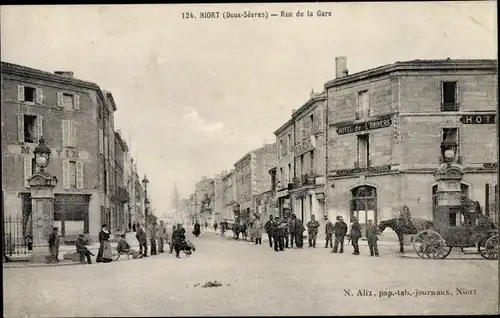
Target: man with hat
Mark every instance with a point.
(54, 244)
(277, 235)
(355, 234)
(312, 230)
(372, 237)
(340, 231)
(267, 228)
(329, 232)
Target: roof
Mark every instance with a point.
(417, 65)
(10, 68)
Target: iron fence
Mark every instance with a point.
(17, 238)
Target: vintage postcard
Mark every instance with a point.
(283, 159)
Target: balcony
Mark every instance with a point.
(307, 179)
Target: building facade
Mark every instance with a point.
(309, 152)
(203, 196)
(64, 110)
(252, 178)
(120, 195)
(229, 195)
(390, 126)
(218, 206)
(285, 166)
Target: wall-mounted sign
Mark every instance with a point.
(490, 165)
(369, 125)
(376, 169)
(305, 146)
(55, 153)
(477, 119)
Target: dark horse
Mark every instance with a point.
(402, 227)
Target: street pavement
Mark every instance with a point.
(256, 281)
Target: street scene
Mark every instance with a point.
(250, 159)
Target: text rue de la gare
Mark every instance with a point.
(256, 15)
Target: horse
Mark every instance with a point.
(401, 228)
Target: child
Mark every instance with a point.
(124, 247)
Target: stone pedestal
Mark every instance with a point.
(42, 210)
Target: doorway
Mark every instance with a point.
(364, 206)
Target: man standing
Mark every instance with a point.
(170, 233)
(257, 230)
(83, 250)
(329, 228)
(54, 244)
(267, 228)
(142, 239)
(152, 237)
(355, 234)
(162, 235)
(286, 230)
(275, 231)
(312, 229)
(340, 231)
(178, 238)
(372, 237)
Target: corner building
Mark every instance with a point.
(389, 127)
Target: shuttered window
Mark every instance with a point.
(60, 99)
(79, 174)
(39, 96)
(27, 170)
(69, 129)
(66, 176)
(76, 101)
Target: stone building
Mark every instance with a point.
(218, 206)
(308, 186)
(203, 196)
(229, 195)
(252, 178)
(389, 127)
(65, 111)
(285, 166)
(120, 194)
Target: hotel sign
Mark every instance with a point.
(478, 119)
(369, 125)
(376, 169)
(305, 146)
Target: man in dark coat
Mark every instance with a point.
(178, 239)
(276, 233)
(83, 250)
(54, 244)
(329, 229)
(143, 241)
(340, 231)
(267, 228)
(197, 229)
(312, 229)
(355, 234)
(372, 237)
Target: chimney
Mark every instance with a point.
(340, 66)
(65, 73)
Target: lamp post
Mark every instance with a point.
(145, 182)
(42, 197)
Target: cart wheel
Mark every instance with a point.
(489, 248)
(116, 255)
(429, 244)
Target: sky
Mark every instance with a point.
(195, 95)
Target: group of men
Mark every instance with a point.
(282, 233)
(175, 238)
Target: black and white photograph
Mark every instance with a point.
(250, 159)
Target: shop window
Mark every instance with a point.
(363, 159)
(449, 97)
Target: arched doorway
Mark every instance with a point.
(455, 218)
(364, 205)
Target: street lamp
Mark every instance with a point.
(42, 154)
(145, 182)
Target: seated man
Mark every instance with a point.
(83, 250)
(124, 247)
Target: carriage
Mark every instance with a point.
(462, 226)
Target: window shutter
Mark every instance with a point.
(76, 101)
(39, 96)
(101, 141)
(73, 134)
(39, 126)
(66, 132)
(60, 99)
(66, 174)
(20, 127)
(27, 170)
(20, 93)
(79, 174)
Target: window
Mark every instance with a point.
(363, 110)
(301, 164)
(311, 122)
(69, 133)
(67, 101)
(312, 162)
(290, 141)
(29, 128)
(451, 139)
(282, 177)
(72, 174)
(29, 94)
(280, 153)
(363, 151)
(290, 173)
(449, 97)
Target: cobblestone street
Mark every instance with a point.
(255, 281)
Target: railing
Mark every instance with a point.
(15, 239)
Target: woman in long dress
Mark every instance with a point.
(105, 254)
